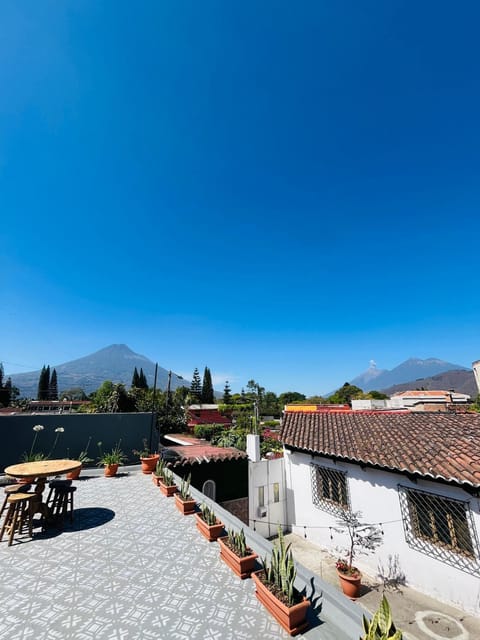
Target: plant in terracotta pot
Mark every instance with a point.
(208, 524)
(111, 460)
(183, 500)
(147, 458)
(167, 485)
(157, 475)
(363, 538)
(275, 589)
(236, 554)
(82, 457)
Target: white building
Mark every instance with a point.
(415, 475)
(416, 400)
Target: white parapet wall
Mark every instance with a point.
(476, 373)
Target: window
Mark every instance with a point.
(329, 489)
(276, 492)
(261, 496)
(441, 527)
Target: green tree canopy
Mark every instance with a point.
(196, 386)
(53, 386)
(43, 383)
(289, 397)
(346, 394)
(208, 395)
(227, 394)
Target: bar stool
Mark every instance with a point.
(53, 485)
(62, 502)
(13, 488)
(18, 514)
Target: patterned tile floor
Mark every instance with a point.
(129, 567)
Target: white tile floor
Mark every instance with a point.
(130, 567)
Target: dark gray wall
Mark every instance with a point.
(16, 433)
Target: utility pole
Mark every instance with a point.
(153, 405)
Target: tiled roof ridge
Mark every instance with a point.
(437, 445)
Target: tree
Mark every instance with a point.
(269, 404)
(227, 394)
(135, 379)
(53, 386)
(208, 395)
(196, 386)
(376, 395)
(142, 380)
(289, 397)
(346, 394)
(44, 383)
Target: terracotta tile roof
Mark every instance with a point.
(198, 453)
(436, 445)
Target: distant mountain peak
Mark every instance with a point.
(115, 363)
(411, 369)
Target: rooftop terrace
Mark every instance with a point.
(131, 566)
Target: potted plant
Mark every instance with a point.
(235, 553)
(82, 457)
(363, 537)
(111, 460)
(274, 587)
(381, 626)
(167, 485)
(157, 475)
(183, 500)
(208, 524)
(148, 459)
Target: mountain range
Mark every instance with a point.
(116, 363)
(409, 372)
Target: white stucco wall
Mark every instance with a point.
(375, 494)
(266, 473)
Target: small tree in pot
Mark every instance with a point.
(363, 538)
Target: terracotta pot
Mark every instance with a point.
(187, 507)
(168, 490)
(73, 475)
(149, 464)
(293, 619)
(350, 584)
(156, 480)
(241, 567)
(209, 531)
(111, 470)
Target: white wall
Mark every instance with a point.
(374, 493)
(265, 474)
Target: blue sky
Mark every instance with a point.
(280, 191)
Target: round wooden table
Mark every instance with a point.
(38, 472)
(41, 469)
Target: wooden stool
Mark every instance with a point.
(13, 488)
(18, 515)
(62, 502)
(55, 484)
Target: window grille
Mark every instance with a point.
(440, 527)
(329, 489)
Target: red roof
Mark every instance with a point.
(198, 453)
(437, 445)
(206, 416)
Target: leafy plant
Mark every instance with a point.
(280, 573)
(160, 468)
(381, 626)
(208, 515)
(114, 456)
(144, 452)
(31, 456)
(168, 477)
(184, 490)
(363, 538)
(237, 543)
